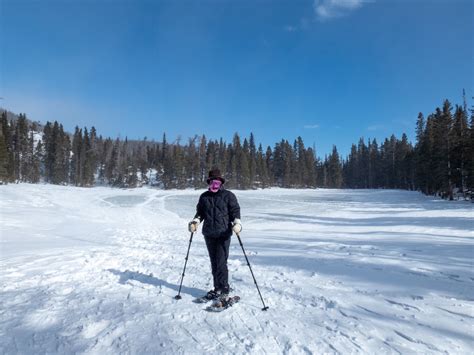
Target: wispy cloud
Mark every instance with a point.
(404, 122)
(329, 9)
(302, 25)
(375, 127)
(311, 126)
(326, 10)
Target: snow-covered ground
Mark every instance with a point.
(343, 271)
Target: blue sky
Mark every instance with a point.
(330, 71)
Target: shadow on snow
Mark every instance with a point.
(127, 275)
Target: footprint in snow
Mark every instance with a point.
(93, 329)
(323, 303)
(64, 291)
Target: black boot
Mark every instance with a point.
(212, 295)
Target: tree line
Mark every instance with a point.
(440, 162)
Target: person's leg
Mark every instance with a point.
(212, 248)
(222, 272)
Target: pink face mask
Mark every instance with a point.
(215, 185)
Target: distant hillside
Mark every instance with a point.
(11, 116)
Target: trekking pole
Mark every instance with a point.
(248, 263)
(178, 296)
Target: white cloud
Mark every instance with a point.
(311, 126)
(328, 9)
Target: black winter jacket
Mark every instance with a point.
(218, 210)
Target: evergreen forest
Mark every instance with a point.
(440, 162)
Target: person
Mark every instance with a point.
(220, 211)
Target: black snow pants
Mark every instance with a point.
(218, 249)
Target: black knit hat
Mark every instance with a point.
(215, 174)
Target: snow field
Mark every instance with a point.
(343, 271)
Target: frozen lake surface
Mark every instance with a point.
(343, 271)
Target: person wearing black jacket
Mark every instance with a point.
(220, 211)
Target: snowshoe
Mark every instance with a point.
(222, 303)
(212, 295)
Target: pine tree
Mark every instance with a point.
(252, 160)
(277, 164)
(131, 168)
(34, 174)
(282, 163)
(288, 163)
(432, 161)
(363, 173)
(244, 164)
(310, 168)
(374, 164)
(60, 166)
(212, 155)
(222, 157)
(269, 157)
(151, 155)
(111, 168)
(76, 167)
(301, 171)
(87, 160)
(48, 157)
(261, 171)
(21, 148)
(233, 169)
(470, 155)
(7, 136)
(178, 179)
(441, 150)
(167, 164)
(351, 169)
(334, 169)
(459, 148)
(3, 160)
(421, 155)
(142, 161)
(322, 172)
(203, 167)
(122, 165)
(388, 162)
(93, 154)
(403, 156)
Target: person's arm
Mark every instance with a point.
(234, 208)
(234, 213)
(193, 225)
(199, 212)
